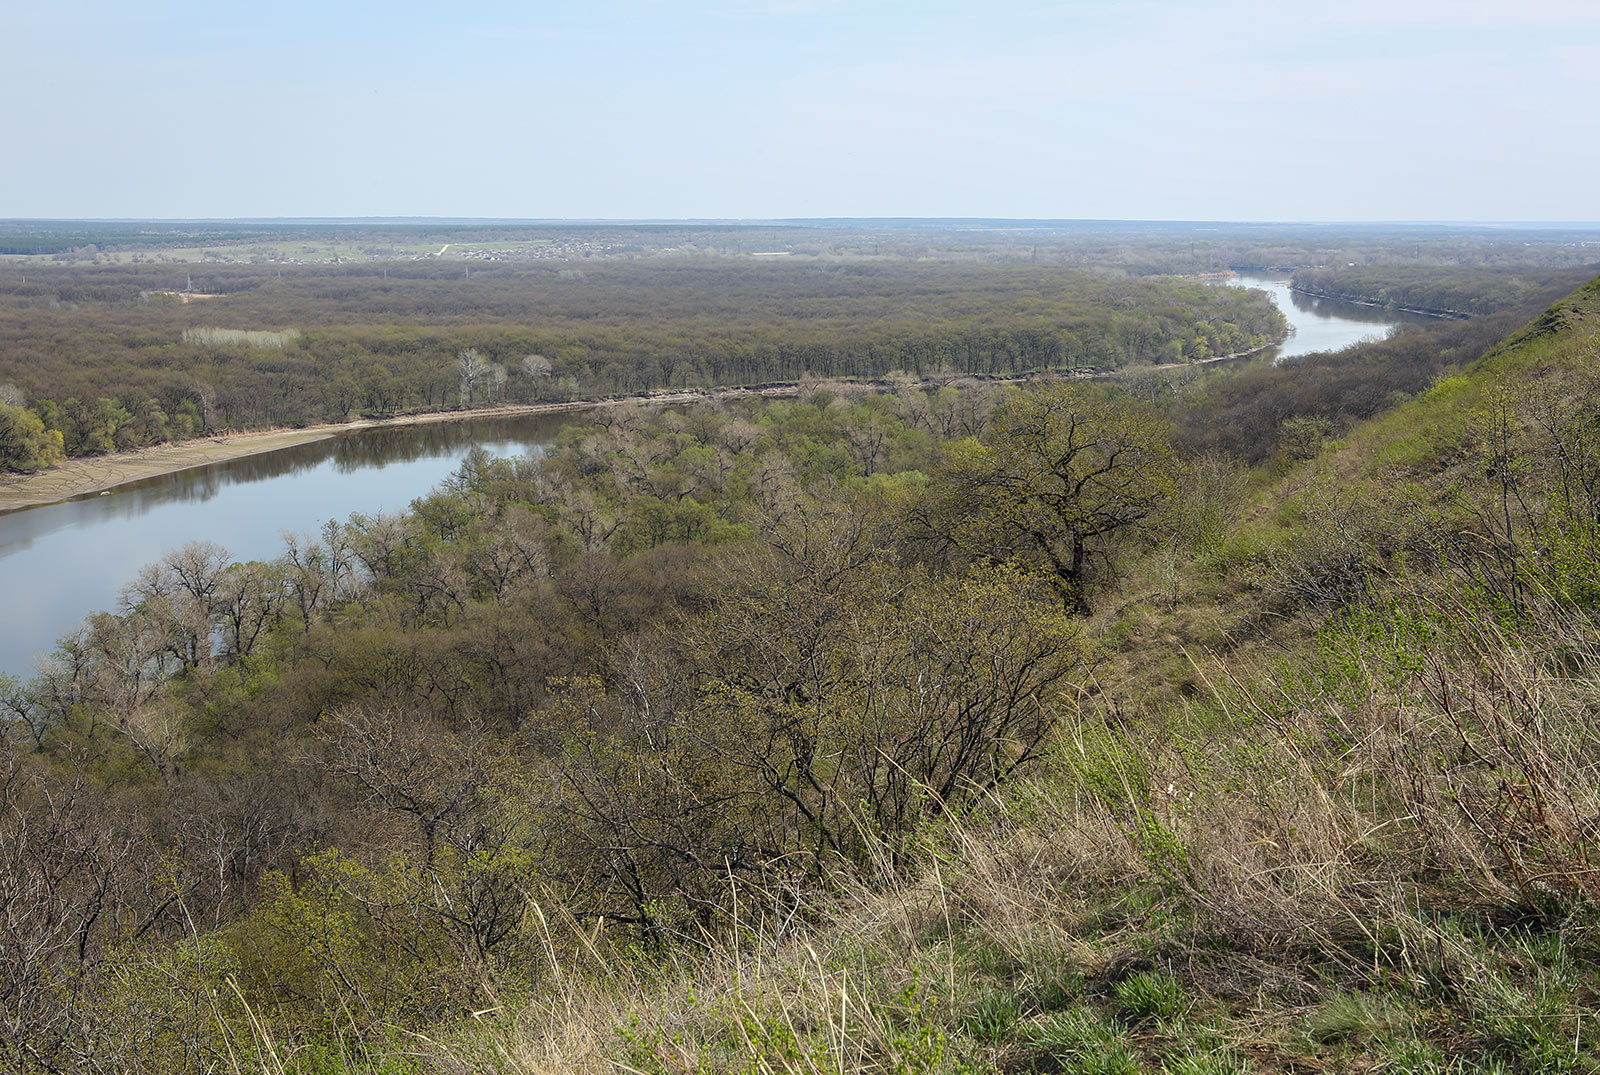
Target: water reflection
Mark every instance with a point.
(403, 444)
(62, 561)
(345, 453)
(1320, 324)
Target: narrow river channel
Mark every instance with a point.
(61, 562)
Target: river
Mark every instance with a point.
(60, 562)
(1324, 324)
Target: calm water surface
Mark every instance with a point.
(60, 562)
(1324, 324)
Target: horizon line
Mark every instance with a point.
(791, 221)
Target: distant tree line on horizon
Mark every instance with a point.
(1136, 247)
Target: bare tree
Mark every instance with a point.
(537, 368)
(206, 395)
(65, 884)
(179, 593)
(472, 370)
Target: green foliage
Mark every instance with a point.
(1077, 1041)
(25, 443)
(895, 1034)
(1162, 848)
(310, 941)
(1446, 387)
(169, 1010)
(1210, 1059)
(993, 1016)
(1149, 995)
(1107, 765)
(1053, 987)
(343, 948)
(1060, 473)
(1349, 1018)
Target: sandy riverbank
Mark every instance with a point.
(96, 474)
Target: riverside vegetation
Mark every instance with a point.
(1459, 292)
(121, 335)
(1033, 728)
(96, 359)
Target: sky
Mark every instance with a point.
(1461, 110)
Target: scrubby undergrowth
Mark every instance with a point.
(914, 733)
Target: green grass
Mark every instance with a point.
(1148, 995)
(1078, 1041)
(994, 1015)
(1349, 1018)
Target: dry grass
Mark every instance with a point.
(1375, 854)
(1296, 834)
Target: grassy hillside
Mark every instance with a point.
(1353, 827)
(975, 730)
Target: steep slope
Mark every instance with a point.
(693, 747)
(1359, 835)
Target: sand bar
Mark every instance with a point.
(95, 474)
(88, 475)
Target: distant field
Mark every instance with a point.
(1141, 247)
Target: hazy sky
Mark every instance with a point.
(1153, 109)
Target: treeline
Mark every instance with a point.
(1460, 292)
(1136, 247)
(86, 238)
(108, 360)
(1295, 405)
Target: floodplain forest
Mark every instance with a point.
(1203, 719)
(97, 358)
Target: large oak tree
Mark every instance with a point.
(1059, 473)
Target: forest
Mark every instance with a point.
(101, 359)
(1463, 292)
(116, 336)
(1203, 720)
